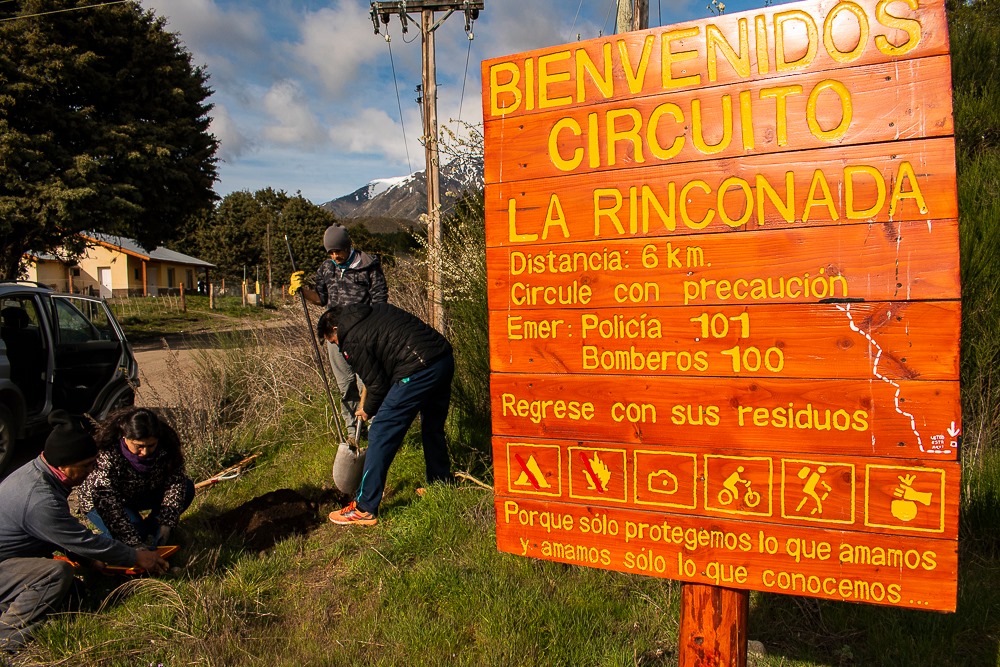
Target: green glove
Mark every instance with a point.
(295, 282)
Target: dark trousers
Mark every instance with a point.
(150, 525)
(29, 589)
(427, 392)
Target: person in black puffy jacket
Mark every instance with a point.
(407, 368)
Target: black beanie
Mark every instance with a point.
(68, 443)
(336, 238)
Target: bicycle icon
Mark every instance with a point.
(731, 490)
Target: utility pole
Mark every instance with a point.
(270, 293)
(632, 15)
(381, 12)
(428, 77)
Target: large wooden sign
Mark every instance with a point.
(724, 302)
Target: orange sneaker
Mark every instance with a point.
(351, 516)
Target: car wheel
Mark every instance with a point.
(7, 437)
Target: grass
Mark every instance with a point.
(427, 587)
(144, 318)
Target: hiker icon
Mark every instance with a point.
(731, 490)
(810, 488)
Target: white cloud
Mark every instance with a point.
(373, 131)
(232, 142)
(206, 28)
(287, 104)
(336, 45)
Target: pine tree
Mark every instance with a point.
(103, 127)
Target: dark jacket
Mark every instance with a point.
(384, 345)
(361, 282)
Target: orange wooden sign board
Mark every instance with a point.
(846, 493)
(853, 340)
(805, 111)
(874, 417)
(878, 262)
(814, 36)
(722, 267)
(900, 571)
(907, 180)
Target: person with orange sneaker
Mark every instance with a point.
(407, 367)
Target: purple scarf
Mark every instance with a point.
(141, 464)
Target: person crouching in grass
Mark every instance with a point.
(140, 467)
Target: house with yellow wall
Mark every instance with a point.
(119, 266)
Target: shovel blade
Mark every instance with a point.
(348, 466)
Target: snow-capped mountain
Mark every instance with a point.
(403, 199)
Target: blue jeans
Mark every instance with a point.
(427, 392)
(150, 500)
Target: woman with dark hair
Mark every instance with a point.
(140, 467)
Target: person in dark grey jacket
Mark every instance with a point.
(407, 368)
(350, 276)
(35, 521)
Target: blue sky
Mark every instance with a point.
(305, 96)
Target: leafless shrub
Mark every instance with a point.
(230, 401)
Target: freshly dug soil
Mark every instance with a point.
(270, 518)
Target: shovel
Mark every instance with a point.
(350, 461)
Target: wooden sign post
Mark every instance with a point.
(724, 308)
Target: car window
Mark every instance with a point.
(19, 312)
(74, 326)
(96, 312)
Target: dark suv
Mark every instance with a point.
(58, 351)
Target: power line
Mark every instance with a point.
(399, 104)
(60, 11)
(465, 77)
(573, 27)
(611, 5)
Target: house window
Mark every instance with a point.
(170, 277)
(75, 272)
(138, 274)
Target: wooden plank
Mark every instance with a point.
(713, 627)
(905, 340)
(864, 494)
(873, 417)
(879, 103)
(553, 78)
(868, 262)
(892, 570)
(861, 181)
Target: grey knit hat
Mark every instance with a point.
(336, 238)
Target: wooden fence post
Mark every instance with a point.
(713, 630)
(183, 300)
(211, 296)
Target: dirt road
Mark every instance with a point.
(164, 366)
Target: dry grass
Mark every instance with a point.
(238, 390)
